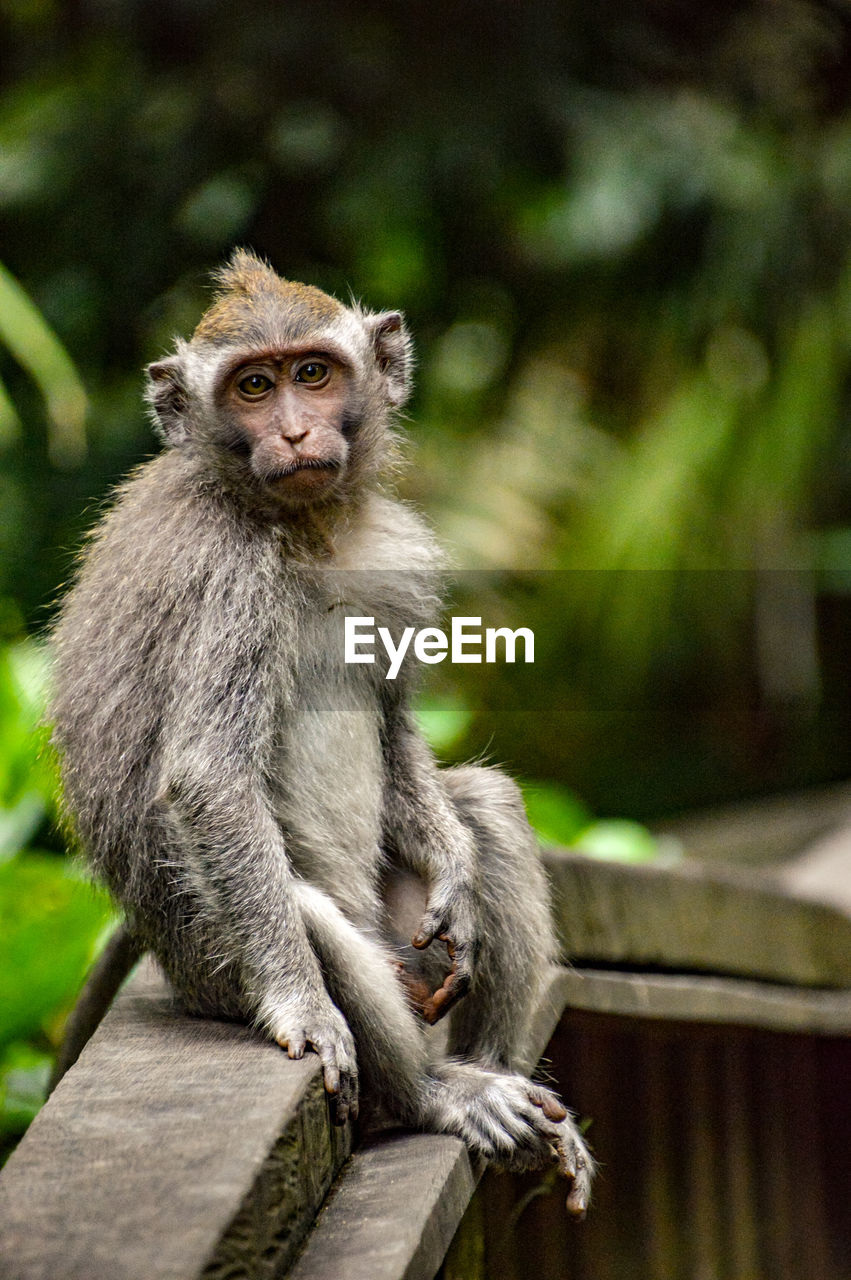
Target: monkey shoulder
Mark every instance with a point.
(164, 572)
(387, 565)
(389, 534)
(171, 538)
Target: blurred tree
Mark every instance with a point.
(621, 234)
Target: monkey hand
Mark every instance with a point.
(451, 920)
(320, 1025)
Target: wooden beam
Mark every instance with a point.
(702, 918)
(173, 1146)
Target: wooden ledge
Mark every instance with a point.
(180, 1148)
(175, 1147)
(789, 924)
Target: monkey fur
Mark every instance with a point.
(256, 805)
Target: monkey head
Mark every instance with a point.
(285, 392)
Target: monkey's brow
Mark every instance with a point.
(285, 354)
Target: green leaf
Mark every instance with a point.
(443, 721)
(617, 840)
(50, 922)
(29, 338)
(24, 1073)
(27, 768)
(555, 812)
(19, 823)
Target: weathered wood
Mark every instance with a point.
(381, 1214)
(764, 832)
(699, 918)
(394, 1211)
(707, 1000)
(401, 1197)
(119, 956)
(174, 1145)
(399, 1201)
(178, 1148)
(724, 1153)
(822, 872)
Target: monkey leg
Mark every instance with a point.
(491, 1025)
(500, 1115)
(490, 1028)
(359, 973)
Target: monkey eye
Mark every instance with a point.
(313, 372)
(254, 385)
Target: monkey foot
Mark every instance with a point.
(516, 1124)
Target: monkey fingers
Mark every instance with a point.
(458, 981)
(294, 1045)
(435, 923)
(455, 986)
(341, 1083)
(424, 936)
(329, 1037)
(342, 1087)
(574, 1162)
(417, 990)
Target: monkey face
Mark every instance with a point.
(286, 413)
(283, 394)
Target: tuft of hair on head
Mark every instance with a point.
(245, 272)
(247, 287)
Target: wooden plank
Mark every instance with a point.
(399, 1201)
(822, 872)
(394, 1211)
(400, 1198)
(763, 832)
(702, 918)
(174, 1145)
(183, 1147)
(690, 998)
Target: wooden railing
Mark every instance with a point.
(705, 1031)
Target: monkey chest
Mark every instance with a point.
(327, 775)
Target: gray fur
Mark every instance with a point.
(248, 797)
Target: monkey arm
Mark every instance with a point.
(234, 859)
(231, 851)
(423, 826)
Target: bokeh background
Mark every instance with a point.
(621, 234)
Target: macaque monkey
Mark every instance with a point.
(258, 806)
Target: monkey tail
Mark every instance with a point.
(105, 977)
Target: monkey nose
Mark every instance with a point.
(294, 435)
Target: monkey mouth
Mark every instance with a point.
(299, 466)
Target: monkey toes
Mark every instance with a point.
(574, 1159)
(332, 1041)
(577, 1166)
(518, 1125)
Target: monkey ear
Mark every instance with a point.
(393, 354)
(166, 396)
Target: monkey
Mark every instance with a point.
(258, 807)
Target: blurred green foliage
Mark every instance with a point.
(622, 237)
(51, 918)
(34, 345)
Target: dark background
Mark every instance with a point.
(620, 233)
